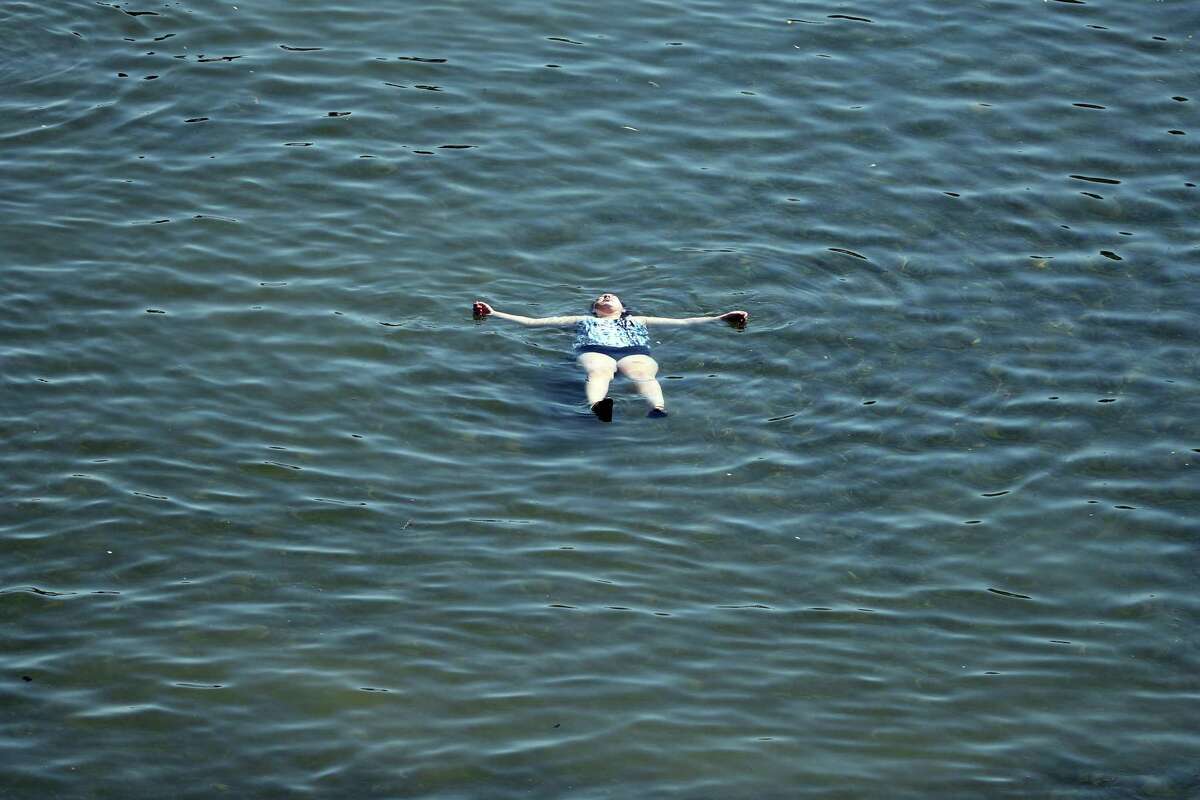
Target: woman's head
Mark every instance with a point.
(607, 305)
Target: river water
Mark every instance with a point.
(281, 520)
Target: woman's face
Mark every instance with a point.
(607, 305)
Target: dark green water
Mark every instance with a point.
(280, 520)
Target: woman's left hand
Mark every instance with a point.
(736, 319)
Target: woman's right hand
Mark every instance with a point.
(480, 309)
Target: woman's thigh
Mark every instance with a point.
(638, 368)
(597, 364)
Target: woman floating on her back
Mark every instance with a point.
(609, 341)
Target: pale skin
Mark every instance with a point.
(600, 368)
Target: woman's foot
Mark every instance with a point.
(603, 409)
(656, 412)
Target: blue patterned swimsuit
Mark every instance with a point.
(615, 338)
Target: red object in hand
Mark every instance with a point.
(736, 318)
(480, 309)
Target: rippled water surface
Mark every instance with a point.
(281, 520)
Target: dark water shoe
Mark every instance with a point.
(603, 409)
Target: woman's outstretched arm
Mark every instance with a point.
(482, 310)
(735, 318)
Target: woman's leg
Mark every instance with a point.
(600, 370)
(642, 371)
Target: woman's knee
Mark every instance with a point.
(598, 366)
(638, 368)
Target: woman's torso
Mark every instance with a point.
(619, 333)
